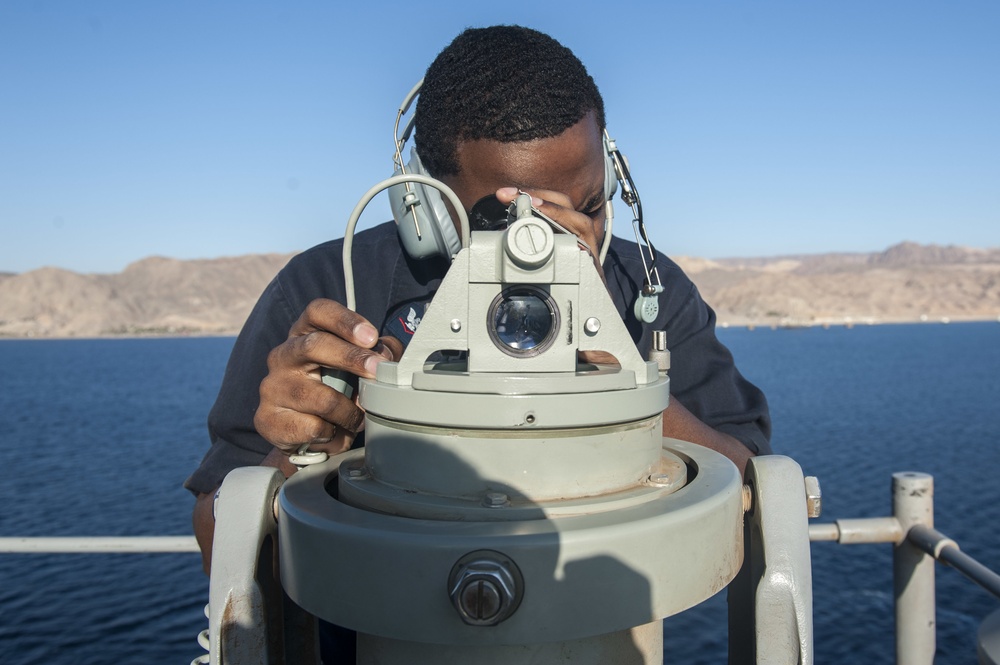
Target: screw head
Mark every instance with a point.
(480, 599)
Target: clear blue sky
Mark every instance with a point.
(205, 129)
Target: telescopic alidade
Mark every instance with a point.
(513, 502)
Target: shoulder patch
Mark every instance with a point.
(403, 323)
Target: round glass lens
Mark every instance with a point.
(523, 321)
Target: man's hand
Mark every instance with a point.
(296, 407)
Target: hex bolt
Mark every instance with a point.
(485, 587)
(495, 500)
(814, 496)
(659, 479)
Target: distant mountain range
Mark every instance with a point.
(161, 296)
(906, 282)
(154, 296)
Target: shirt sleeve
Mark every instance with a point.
(704, 377)
(703, 374)
(235, 441)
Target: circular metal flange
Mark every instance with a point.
(529, 464)
(605, 572)
(451, 402)
(359, 489)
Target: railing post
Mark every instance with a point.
(913, 571)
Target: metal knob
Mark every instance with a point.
(658, 351)
(529, 243)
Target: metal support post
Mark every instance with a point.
(770, 606)
(246, 618)
(913, 571)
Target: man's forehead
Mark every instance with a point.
(571, 163)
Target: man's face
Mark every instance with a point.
(566, 172)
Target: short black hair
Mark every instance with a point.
(506, 83)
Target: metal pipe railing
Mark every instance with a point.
(99, 545)
(946, 550)
(858, 531)
(927, 539)
(916, 546)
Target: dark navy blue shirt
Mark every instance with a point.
(392, 290)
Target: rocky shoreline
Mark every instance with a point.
(155, 297)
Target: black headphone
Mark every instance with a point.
(425, 228)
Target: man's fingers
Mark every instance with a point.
(307, 353)
(598, 358)
(558, 206)
(341, 442)
(390, 348)
(575, 222)
(287, 429)
(296, 407)
(288, 393)
(330, 316)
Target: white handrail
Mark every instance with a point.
(99, 544)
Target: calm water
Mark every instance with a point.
(96, 437)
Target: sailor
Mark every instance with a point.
(502, 109)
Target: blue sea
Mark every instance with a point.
(96, 437)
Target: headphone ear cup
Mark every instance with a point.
(437, 234)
